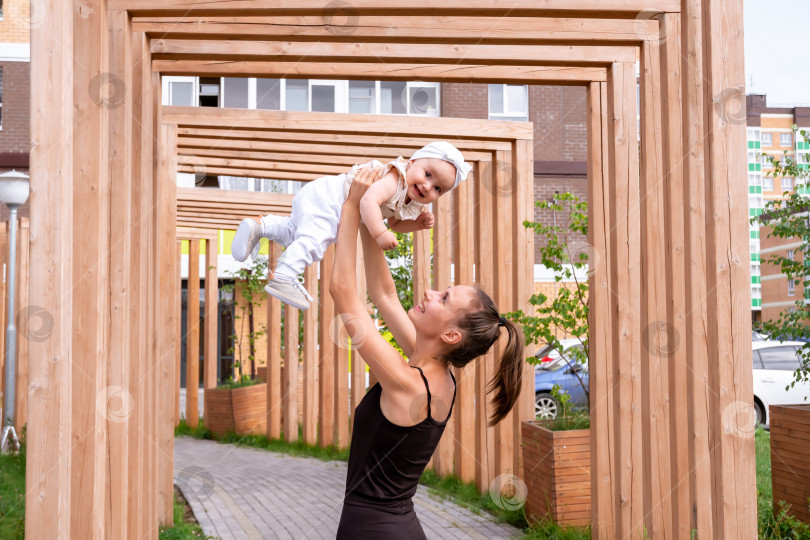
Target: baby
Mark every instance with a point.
(401, 197)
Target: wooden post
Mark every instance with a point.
(193, 334)
(603, 518)
(290, 375)
(50, 394)
(310, 364)
(443, 239)
(119, 377)
(178, 306)
(326, 356)
(168, 319)
(274, 384)
(211, 314)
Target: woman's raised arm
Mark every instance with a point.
(383, 293)
(387, 364)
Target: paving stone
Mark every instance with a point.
(260, 494)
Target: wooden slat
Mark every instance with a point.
(504, 291)
(334, 141)
(310, 364)
(463, 255)
(365, 123)
(484, 368)
(522, 198)
(341, 391)
(625, 296)
(603, 516)
(678, 375)
(456, 28)
(274, 383)
(727, 270)
(180, 330)
(118, 375)
(455, 54)
(358, 374)
(3, 310)
(658, 338)
(168, 317)
(193, 333)
(290, 375)
(211, 314)
(556, 75)
(488, 8)
(88, 459)
(326, 355)
(443, 237)
(50, 394)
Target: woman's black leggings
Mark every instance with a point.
(359, 522)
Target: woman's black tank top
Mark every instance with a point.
(387, 460)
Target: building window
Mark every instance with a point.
(362, 97)
(790, 254)
(766, 160)
(787, 183)
(235, 93)
(767, 139)
(767, 183)
(268, 94)
(791, 287)
(786, 139)
(509, 102)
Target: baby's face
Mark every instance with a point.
(429, 178)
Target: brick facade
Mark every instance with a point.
(460, 100)
(16, 23)
(14, 136)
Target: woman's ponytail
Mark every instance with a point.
(507, 381)
(480, 329)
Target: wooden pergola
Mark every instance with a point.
(672, 450)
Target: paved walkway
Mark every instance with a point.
(238, 492)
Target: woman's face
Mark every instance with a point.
(429, 178)
(436, 311)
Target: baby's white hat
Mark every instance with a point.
(446, 151)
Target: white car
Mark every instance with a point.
(775, 363)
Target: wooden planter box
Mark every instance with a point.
(243, 410)
(557, 472)
(790, 458)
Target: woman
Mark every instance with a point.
(400, 420)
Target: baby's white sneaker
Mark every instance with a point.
(246, 239)
(289, 290)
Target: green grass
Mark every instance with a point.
(12, 495)
(182, 528)
(299, 448)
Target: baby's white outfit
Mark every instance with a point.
(313, 223)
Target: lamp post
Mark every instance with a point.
(13, 192)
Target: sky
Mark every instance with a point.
(777, 50)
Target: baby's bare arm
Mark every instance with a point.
(382, 190)
(404, 225)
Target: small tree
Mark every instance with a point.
(567, 312)
(247, 288)
(790, 218)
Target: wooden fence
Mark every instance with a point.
(669, 301)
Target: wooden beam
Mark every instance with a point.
(453, 29)
(290, 375)
(342, 139)
(432, 53)
(326, 355)
(274, 383)
(211, 314)
(555, 75)
(332, 122)
(489, 8)
(310, 364)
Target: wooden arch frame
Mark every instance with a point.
(675, 413)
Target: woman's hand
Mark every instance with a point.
(362, 181)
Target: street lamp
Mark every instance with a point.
(13, 192)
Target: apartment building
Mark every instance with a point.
(770, 133)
